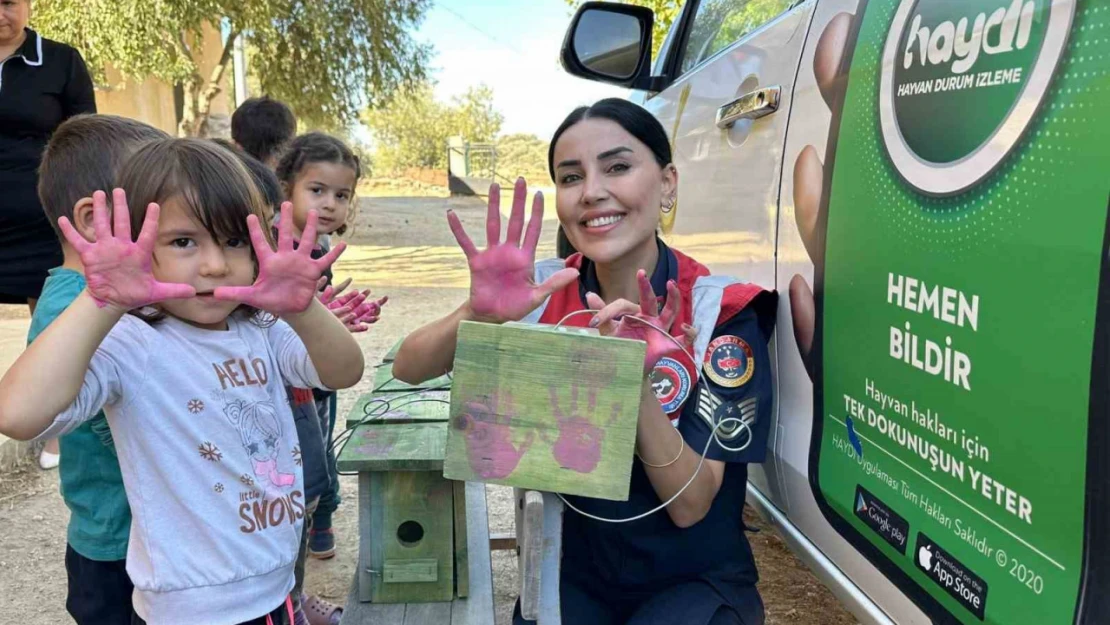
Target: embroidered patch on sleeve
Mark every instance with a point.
(729, 361)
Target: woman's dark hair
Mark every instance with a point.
(635, 120)
(315, 147)
(210, 181)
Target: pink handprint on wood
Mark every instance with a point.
(375, 444)
(489, 443)
(578, 447)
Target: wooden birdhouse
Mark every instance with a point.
(545, 409)
(412, 533)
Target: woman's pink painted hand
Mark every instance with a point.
(118, 270)
(619, 319)
(502, 276)
(287, 278)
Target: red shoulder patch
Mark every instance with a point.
(736, 298)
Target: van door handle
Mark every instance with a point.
(752, 105)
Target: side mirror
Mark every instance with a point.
(611, 43)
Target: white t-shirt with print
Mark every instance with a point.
(210, 461)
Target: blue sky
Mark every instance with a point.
(512, 46)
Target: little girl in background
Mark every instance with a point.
(319, 173)
(192, 381)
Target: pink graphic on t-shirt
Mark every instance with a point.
(260, 433)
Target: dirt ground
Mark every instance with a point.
(401, 247)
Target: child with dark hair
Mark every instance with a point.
(85, 154)
(310, 423)
(318, 173)
(262, 126)
(263, 176)
(193, 380)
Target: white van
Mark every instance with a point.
(926, 182)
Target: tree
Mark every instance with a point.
(666, 12)
(325, 58)
(523, 155)
(412, 129)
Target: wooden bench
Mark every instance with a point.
(539, 530)
(475, 609)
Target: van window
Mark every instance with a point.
(720, 23)
(665, 49)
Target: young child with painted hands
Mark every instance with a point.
(689, 563)
(319, 173)
(169, 338)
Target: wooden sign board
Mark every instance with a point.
(418, 407)
(536, 408)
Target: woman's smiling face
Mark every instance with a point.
(608, 189)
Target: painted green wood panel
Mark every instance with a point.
(395, 447)
(401, 407)
(546, 410)
(391, 355)
(384, 382)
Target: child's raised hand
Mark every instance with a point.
(118, 270)
(502, 284)
(614, 319)
(352, 308)
(287, 277)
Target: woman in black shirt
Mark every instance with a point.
(42, 82)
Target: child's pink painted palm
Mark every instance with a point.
(118, 270)
(287, 277)
(502, 277)
(352, 308)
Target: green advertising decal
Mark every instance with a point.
(965, 241)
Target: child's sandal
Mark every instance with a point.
(320, 612)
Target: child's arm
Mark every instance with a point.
(47, 377)
(286, 287)
(334, 352)
(502, 286)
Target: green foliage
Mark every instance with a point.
(523, 155)
(330, 58)
(325, 58)
(412, 129)
(719, 23)
(666, 12)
